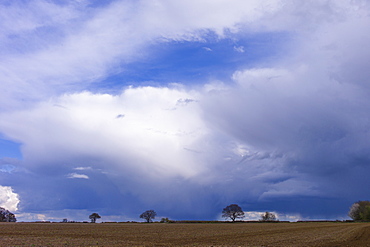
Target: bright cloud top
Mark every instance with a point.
(153, 128)
(8, 199)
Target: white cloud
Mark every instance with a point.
(25, 17)
(7, 168)
(257, 215)
(8, 199)
(84, 45)
(83, 168)
(32, 217)
(71, 215)
(239, 49)
(153, 134)
(77, 175)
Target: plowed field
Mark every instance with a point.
(216, 234)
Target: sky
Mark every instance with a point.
(184, 107)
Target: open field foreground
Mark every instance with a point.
(217, 234)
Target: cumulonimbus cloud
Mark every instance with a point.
(294, 126)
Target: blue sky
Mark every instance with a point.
(183, 107)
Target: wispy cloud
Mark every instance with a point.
(239, 49)
(73, 45)
(77, 175)
(83, 168)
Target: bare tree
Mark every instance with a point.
(148, 215)
(268, 217)
(354, 211)
(233, 212)
(93, 217)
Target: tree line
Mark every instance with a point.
(359, 211)
(233, 212)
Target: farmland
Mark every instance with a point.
(190, 234)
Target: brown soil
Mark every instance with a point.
(155, 234)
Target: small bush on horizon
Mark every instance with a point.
(268, 217)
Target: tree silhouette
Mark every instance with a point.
(268, 217)
(148, 215)
(233, 212)
(6, 216)
(93, 217)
